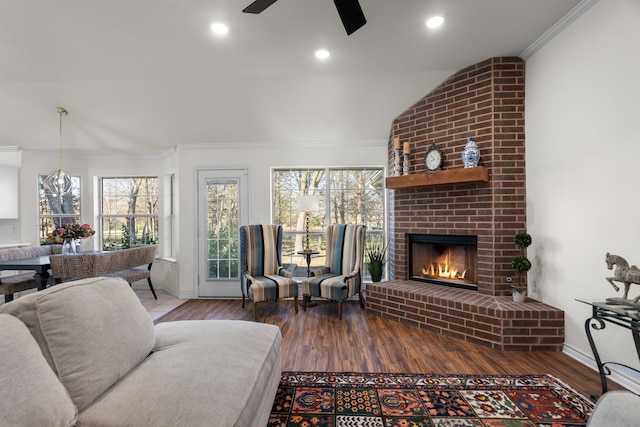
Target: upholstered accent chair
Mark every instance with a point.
(341, 277)
(262, 276)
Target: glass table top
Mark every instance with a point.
(622, 309)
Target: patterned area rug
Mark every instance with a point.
(324, 399)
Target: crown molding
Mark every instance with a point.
(557, 28)
(209, 146)
(9, 149)
(278, 145)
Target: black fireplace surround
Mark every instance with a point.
(447, 260)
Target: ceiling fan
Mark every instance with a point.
(349, 10)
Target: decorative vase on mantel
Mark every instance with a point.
(470, 154)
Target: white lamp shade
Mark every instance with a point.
(308, 203)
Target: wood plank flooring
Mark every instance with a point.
(316, 340)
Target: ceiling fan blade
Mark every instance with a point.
(351, 14)
(258, 6)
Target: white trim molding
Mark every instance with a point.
(625, 378)
(557, 28)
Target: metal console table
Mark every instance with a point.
(622, 315)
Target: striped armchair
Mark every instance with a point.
(341, 277)
(263, 278)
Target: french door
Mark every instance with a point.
(222, 207)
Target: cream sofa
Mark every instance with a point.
(86, 353)
(616, 409)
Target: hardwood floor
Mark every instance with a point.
(316, 340)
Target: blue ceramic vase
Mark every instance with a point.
(471, 154)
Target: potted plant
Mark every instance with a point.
(377, 255)
(521, 265)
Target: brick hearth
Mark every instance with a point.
(492, 321)
(484, 101)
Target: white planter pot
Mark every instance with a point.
(518, 296)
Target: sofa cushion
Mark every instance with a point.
(30, 393)
(201, 373)
(92, 332)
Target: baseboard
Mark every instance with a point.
(625, 378)
(144, 286)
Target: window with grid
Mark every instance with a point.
(347, 196)
(55, 211)
(128, 212)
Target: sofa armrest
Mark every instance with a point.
(616, 408)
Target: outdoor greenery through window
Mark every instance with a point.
(347, 196)
(129, 212)
(222, 229)
(56, 211)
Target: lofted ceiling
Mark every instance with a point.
(143, 76)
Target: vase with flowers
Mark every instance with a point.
(70, 235)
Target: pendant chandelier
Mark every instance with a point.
(58, 182)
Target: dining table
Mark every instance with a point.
(40, 265)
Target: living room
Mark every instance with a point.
(580, 108)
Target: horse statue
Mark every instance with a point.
(623, 274)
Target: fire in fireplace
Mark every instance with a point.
(444, 260)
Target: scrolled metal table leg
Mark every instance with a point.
(598, 325)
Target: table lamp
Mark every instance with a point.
(306, 204)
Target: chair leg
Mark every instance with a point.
(340, 310)
(243, 300)
(304, 302)
(361, 300)
(255, 312)
(295, 303)
(151, 287)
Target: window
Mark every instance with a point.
(129, 212)
(55, 211)
(347, 196)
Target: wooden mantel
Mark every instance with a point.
(449, 176)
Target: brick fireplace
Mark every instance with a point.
(484, 101)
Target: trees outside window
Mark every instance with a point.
(129, 212)
(347, 196)
(55, 211)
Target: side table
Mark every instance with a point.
(621, 315)
(307, 254)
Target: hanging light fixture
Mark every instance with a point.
(58, 182)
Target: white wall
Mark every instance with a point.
(583, 146)
(178, 275)
(11, 158)
(259, 159)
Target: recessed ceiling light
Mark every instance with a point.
(219, 28)
(434, 21)
(322, 54)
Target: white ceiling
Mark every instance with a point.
(142, 76)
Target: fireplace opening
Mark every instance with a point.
(444, 260)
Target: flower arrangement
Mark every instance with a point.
(71, 231)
